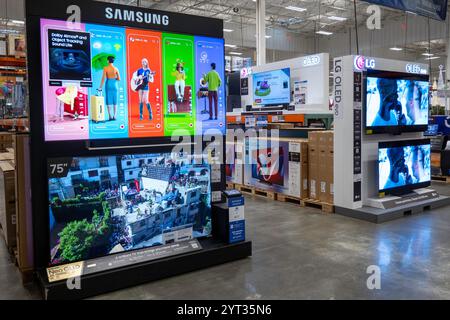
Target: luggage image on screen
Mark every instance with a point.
(176, 106)
(77, 110)
(98, 107)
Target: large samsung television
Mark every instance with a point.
(396, 102)
(272, 88)
(404, 166)
(100, 206)
(105, 82)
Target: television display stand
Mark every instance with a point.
(391, 208)
(213, 252)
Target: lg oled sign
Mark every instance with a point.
(362, 63)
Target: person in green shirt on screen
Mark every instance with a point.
(214, 83)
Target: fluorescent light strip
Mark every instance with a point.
(396, 49)
(426, 54)
(230, 46)
(228, 30)
(432, 58)
(325, 33)
(294, 8)
(236, 53)
(337, 18)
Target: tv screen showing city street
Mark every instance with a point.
(111, 204)
(396, 103)
(404, 165)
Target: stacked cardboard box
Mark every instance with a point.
(8, 203)
(277, 165)
(235, 162)
(321, 166)
(6, 141)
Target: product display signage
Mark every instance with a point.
(404, 166)
(108, 82)
(272, 87)
(104, 205)
(436, 9)
(396, 102)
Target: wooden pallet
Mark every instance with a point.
(230, 186)
(256, 192)
(289, 199)
(445, 179)
(325, 207)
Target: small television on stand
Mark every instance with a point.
(272, 89)
(404, 166)
(395, 102)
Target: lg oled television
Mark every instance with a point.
(396, 102)
(105, 82)
(404, 166)
(272, 88)
(104, 205)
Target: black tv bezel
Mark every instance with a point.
(262, 106)
(393, 130)
(399, 144)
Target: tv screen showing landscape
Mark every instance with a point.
(104, 205)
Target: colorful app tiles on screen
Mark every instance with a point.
(103, 82)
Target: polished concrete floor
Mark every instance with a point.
(299, 253)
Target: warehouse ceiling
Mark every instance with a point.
(304, 16)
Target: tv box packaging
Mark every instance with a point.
(228, 219)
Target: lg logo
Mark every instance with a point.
(361, 63)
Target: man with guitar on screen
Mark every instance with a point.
(140, 83)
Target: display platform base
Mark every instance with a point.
(377, 215)
(213, 253)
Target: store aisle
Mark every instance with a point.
(301, 254)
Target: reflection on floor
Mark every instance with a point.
(302, 254)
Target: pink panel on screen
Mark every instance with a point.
(62, 121)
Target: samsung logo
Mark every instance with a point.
(136, 16)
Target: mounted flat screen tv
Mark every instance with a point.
(272, 88)
(404, 166)
(104, 82)
(396, 102)
(133, 202)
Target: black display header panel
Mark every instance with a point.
(97, 13)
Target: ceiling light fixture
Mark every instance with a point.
(230, 45)
(335, 18)
(396, 49)
(432, 58)
(325, 33)
(228, 30)
(236, 53)
(426, 54)
(294, 8)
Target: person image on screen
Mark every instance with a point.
(111, 78)
(180, 82)
(145, 76)
(214, 82)
(390, 109)
(414, 100)
(399, 172)
(418, 164)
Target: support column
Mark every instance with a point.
(260, 32)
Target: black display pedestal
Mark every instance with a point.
(213, 253)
